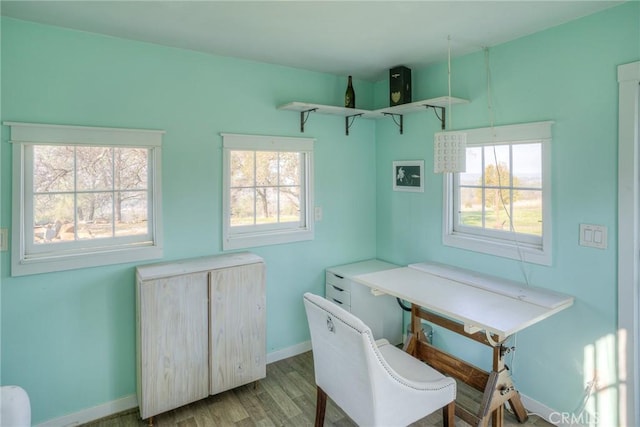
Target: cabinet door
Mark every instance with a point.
(237, 329)
(173, 354)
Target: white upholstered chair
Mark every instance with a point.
(374, 382)
(15, 407)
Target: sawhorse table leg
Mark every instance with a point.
(497, 386)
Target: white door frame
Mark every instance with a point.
(629, 242)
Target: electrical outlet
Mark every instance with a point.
(4, 239)
(318, 213)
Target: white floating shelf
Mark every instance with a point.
(398, 110)
(303, 107)
(412, 107)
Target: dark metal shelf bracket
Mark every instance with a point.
(347, 125)
(399, 124)
(304, 119)
(304, 116)
(442, 116)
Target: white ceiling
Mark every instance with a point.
(361, 38)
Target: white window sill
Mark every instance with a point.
(264, 239)
(23, 267)
(502, 248)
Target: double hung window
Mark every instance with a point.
(84, 197)
(501, 204)
(268, 190)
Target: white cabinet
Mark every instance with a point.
(381, 313)
(200, 329)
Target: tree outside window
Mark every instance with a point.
(89, 192)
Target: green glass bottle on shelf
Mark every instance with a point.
(350, 95)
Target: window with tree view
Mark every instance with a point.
(265, 187)
(268, 190)
(501, 204)
(84, 196)
(502, 189)
(89, 193)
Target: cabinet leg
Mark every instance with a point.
(150, 420)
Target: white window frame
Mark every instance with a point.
(257, 235)
(122, 250)
(629, 240)
(512, 245)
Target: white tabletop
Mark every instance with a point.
(362, 267)
(475, 307)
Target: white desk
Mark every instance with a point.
(480, 307)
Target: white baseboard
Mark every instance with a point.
(560, 419)
(94, 413)
(284, 353)
(130, 402)
(543, 411)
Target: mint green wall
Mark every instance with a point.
(68, 338)
(567, 74)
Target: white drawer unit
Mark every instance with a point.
(338, 290)
(381, 313)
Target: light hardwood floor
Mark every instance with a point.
(286, 397)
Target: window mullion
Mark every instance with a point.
(307, 210)
(29, 193)
(278, 188)
(255, 187)
(75, 194)
(512, 226)
(303, 184)
(455, 196)
(483, 193)
(113, 192)
(150, 188)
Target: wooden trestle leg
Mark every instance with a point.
(497, 386)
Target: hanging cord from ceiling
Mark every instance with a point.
(490, 109)
(491, 112)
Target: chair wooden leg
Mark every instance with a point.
(321, 406)
(449, 415)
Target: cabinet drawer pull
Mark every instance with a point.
(338, 276)
(337, 288)
(336, 301)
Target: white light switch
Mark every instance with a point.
(597, 237)
(594, 236)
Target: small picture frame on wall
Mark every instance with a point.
(408, 175)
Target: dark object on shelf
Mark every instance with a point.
(350, 95)
(399, 85)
